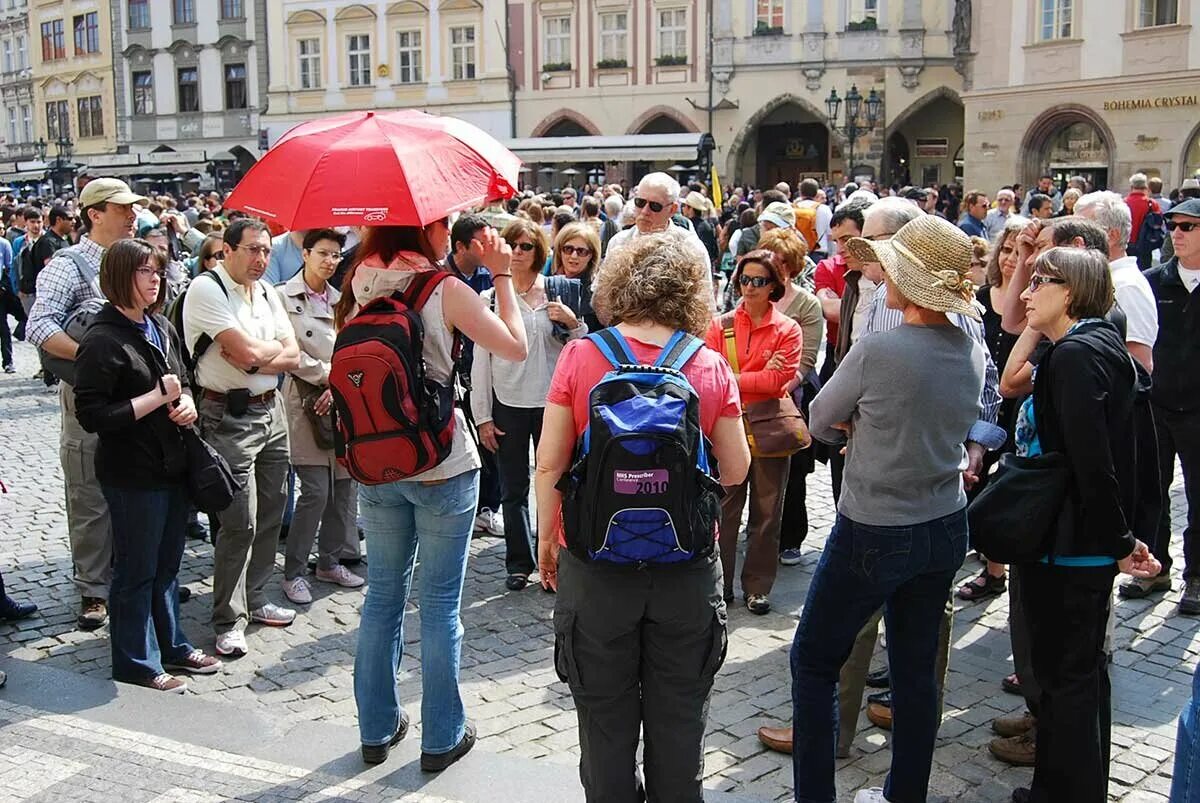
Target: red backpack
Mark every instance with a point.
(391, 421)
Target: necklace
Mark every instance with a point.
(528, 289)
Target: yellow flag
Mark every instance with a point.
(716, 190)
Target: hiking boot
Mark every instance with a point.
(777, 739)
(1020, 751)
(1139, 587)
(1014, 725)
(93, 613)
(1190, 602)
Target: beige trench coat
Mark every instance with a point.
(315, 335)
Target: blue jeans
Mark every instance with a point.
(908, 571)
(401, 520)
(143, 603)
(1185, 783)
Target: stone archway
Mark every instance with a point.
(936, 115)
(566, 116)
(744, 146)
(656, 116)
(1189, 159)
(1034, 160)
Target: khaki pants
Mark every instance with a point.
(766, 484)
(853, 679)
(326, 504)
(88, 526)
(256, 447)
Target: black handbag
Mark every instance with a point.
(1014, 519)
(211, 483)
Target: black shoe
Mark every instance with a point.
(879, 679)
(1021, 795)
(883, 698)
(11, 610)
(378, 753)
(185, 594)
(516, 582)
(197, 531)
(758, 604)
(283, 531)
(436, 762)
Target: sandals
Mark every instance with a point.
(982, 586)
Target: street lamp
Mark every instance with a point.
(851, 128)
(39, 149)
(65, 149)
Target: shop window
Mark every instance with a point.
(1191, 166)
(1152, 13)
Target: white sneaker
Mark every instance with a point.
(297, 591)
(232, 642)
(339, 574)
(872, 795)
(489, 521)
(273, 615)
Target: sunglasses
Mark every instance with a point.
(640, 203)
(576, 250)
(755, 281)
(1184, 227)
(1039, 279)
(526, 247)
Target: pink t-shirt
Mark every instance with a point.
(581, 366)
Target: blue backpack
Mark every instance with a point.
(643, 487)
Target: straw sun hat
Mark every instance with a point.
(928, 260)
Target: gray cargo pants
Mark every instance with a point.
(256, 447)
(327, 505)
(639, 648)
(88, 527)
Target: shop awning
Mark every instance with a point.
(24, 172)
(625, 148)
(148, 169)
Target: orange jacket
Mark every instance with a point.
(755, 346)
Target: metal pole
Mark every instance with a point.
(710, 73)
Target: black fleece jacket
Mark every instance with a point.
(116, 363)
(1084, 399)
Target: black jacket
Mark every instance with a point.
(1177, 349)
(115, 363)
(1086, 403)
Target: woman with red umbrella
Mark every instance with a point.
(433, 511)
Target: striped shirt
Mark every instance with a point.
(985, 432)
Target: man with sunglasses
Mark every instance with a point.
(1176, 393)
(656, 201)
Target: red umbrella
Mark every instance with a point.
(401, 167)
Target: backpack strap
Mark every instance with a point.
(86, 271)
(613, 346)
(678, 351)
(423, 283)
(204, 341)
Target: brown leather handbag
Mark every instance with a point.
(775, 427)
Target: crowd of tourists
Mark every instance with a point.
(941, 351)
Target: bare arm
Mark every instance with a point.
(1012, 315)
(1017, 379)
(287, 360)
(1142, 353)
(60, 344)
(502, 332)
(730, 448)
(831, 305)
(247, 352)
(553, 460)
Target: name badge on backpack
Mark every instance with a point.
(636, 483)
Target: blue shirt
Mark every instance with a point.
(9, 266)
(972, 227)
(287, 259)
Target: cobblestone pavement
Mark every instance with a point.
(303, 673)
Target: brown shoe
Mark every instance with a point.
(777, 739)
(1020, 751)
(163, 682)
(93, 613)
(880, 715)
(1014, 725)
(195, 662)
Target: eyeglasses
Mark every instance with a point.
(576, 250)
(263, 251)
(332, 256)
(640, 203)
(1184, 227)
(146, 270)
(755, 281)
(1039, 279)
(526, 247)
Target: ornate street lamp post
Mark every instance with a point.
(852, 129)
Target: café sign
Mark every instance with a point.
(1134, 104)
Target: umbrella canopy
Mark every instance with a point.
(570, 171)
(400, 168)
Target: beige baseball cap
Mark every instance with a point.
(109, 190)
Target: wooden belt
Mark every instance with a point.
(262, 398)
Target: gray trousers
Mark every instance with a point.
(853, 679)
(88, 526)
(256, 447)
(324, 504)
(639, 649)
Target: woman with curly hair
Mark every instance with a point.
(649, 639)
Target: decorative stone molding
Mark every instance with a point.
(910, 75)
(812, 77)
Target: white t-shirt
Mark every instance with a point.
(206, 310)
(686, 239)
(866, 296)
(1136, 300)
(1189, 277)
